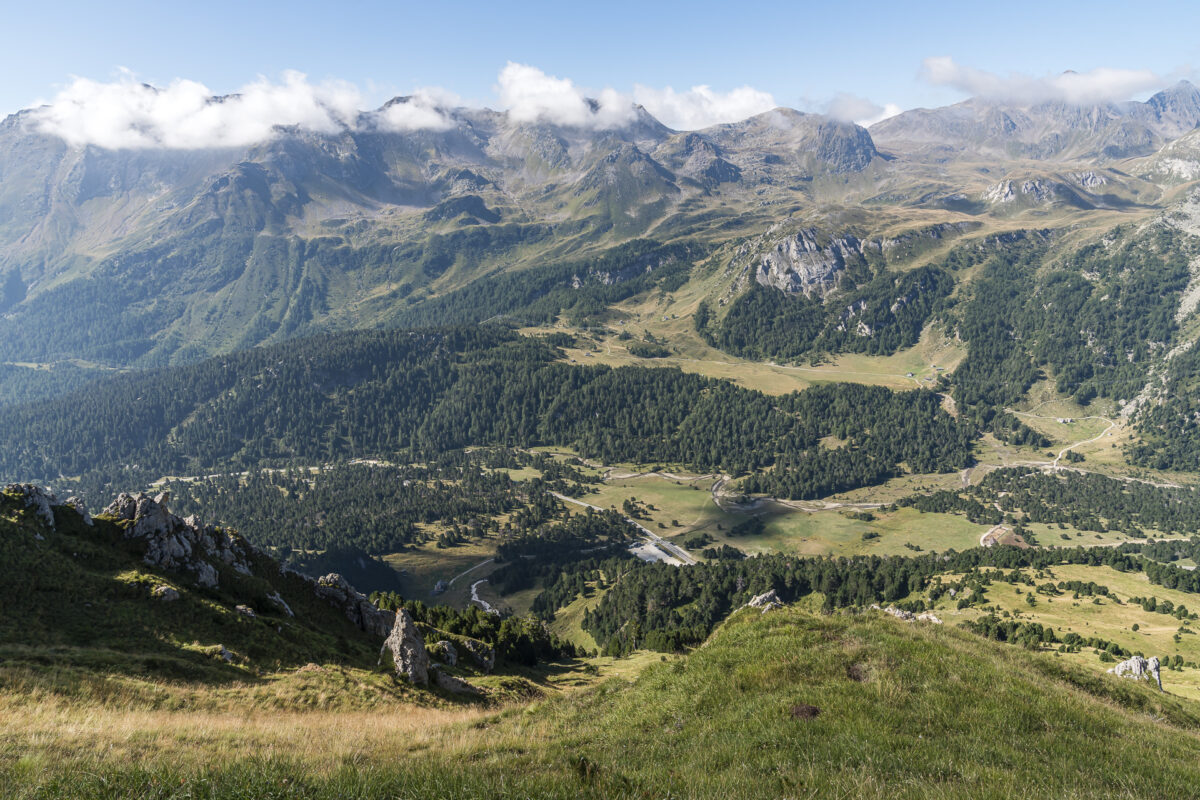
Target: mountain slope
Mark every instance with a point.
(773, 705)
(987, 129)
(399, 395)
(165, 255)
(159, 596)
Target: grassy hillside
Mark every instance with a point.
(785, 704)
(80, 599)
(86, 618)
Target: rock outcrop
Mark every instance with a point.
(180, 545)
(908, 616)
(164, 593)
(80, 509)
(355, 605)
(408, 650)
(812, 263)
(38, 498)
(445, 652)
(1139, 668)
(802, 264)
(481, 653)
(766, 601)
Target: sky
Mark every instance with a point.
(691, 63)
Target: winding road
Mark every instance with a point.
(468, 570)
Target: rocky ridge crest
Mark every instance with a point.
(180, 544)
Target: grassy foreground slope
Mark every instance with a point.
(783, 704)
(77, 604)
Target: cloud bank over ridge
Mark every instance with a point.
(185, 114)
(1099, 85)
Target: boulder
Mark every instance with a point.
(408, 650)
(245, 611)
(1139, 668)
(446, 681)
(164, 593)
(445, 652)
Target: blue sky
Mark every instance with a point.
(802, 54)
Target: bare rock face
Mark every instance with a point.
(1139, 669)
(182, 545)
(355, 605)
(408, 650)
(39, 498)
(800, 263)
(766, 601)
(812, 262)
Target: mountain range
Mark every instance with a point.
(138, 257)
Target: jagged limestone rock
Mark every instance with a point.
(800, 263)
(908, 616)
(811, 262)
(1139, 668)
(445, 652)
(164, 593)
(766, 601)
(179, 544)
(39, 498)
(80, 508)
(355, 605)
(408, 649)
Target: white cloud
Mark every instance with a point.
(128, 114)
(530, 95)
(423, 110)
(185, 114)
(700, 106)
(1094, 86)
(860, 110)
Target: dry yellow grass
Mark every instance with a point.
(57, 732)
